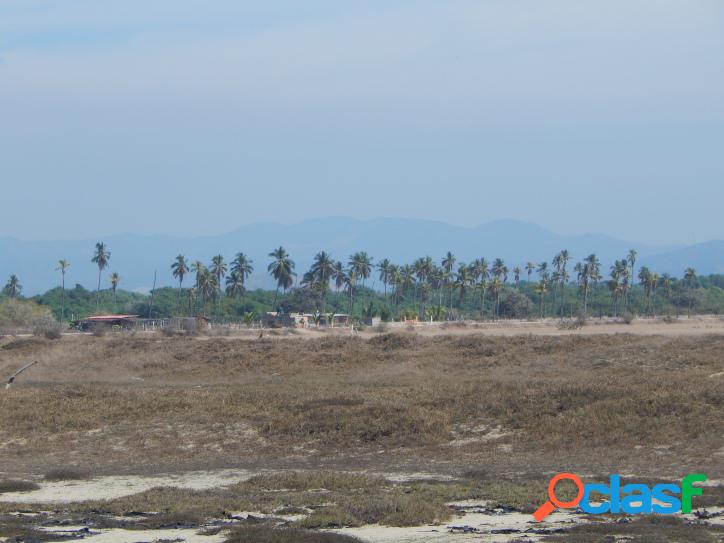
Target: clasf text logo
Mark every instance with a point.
(632, 499)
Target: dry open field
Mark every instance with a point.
(379, 429)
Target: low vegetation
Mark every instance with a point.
(651, 529)
(16, 485)
(266, 534)
(24, 315)
(496, 415)
(115, 400)
(67, 474)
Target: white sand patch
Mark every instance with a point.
(396, 477)
(118, 535)
(481, 526)
(100, 488)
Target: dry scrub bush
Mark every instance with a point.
(14, 485)
(269, 534)
(48, 328)
(22, 315)
(67, 474)
(382, 327)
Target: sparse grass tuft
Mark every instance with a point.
(15, 485)
(267, 534)
(67, 474)
(312, 480)
(649, 529)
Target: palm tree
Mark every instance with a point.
(516, 275)
(594, 269)
(614, 285)
(530, 268)
(322, 271)
(407, 274)
(100, 258)
(115, 279)
(437, 279)
(12, 287)
(282, 270)
(496, 285)
(543, 272)
(350, 279)
(63, 266)
(218, 269)
(666, 283)
(423, 269)
(617, 284)
(631, 259)
(654, 282)
(361, 264)
(340, 277)
(199, 268)
(588, 271)
(462, 282)
(207, 287)
(179, 269)
(645, 278)
(540, 289)
(448, 263)
(384, 268)
(689, 278)
(481, 272)
(498, 268)
(396, 282)
(234, 284)
(243, 266)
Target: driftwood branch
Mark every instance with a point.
(21, 370)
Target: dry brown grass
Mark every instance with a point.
(498, 413)
(266, 534)
(645, 405)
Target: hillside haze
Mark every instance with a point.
(135, 257)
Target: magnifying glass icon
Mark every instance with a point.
(547, 508)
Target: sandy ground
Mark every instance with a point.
(188, 535)
(683, 326)
(108, 488)
(659, 326)
(118, 486)
(552, 327)
(474, 523)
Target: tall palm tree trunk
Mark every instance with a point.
(98, 291)
(62, 298)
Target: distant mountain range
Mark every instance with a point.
(135, 257)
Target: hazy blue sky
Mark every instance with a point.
(193, 117)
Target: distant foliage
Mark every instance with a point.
(521, 301)
(22, 315)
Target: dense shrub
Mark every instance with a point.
(48, 328)
(21, 315)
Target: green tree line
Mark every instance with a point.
(424, 289)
